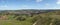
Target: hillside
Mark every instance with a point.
(30, 17)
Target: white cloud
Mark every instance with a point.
(51, 8)
(47, 4)
(24, 6)
(35, 0)
(3, 6)
(39, 0)
(58, 2)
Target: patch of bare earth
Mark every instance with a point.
(3, 17)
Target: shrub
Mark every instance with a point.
(21, 18)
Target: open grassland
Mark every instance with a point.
(50, 18)
(14, 22)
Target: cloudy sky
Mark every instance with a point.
(29, 4)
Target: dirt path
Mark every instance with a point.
(36, 22)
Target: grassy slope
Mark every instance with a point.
(28, 20)
(12, 21)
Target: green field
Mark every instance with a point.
(50, 18)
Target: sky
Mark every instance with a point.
(29, 4)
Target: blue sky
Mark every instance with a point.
(29, 4)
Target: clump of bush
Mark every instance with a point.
(57, 22)
(36, 18)
(21, 18)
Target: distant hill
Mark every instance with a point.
(26, 11)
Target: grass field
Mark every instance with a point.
(45, 19)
